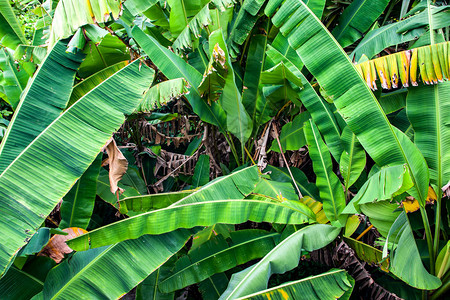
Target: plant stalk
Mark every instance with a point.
(429, 237)
(437, 225)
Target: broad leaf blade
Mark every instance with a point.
(77, 134)
(330, 285)
(207, 213)
(330, 188)
(95, 273)
(77, 206)
(284, 257)
(40, 105)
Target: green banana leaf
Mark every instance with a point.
(251, 94)
(78, 204)
(209, 232)
(85, 86)
(146, 203)
(393, 101)
(201, 171)
(12, 82)
(218, 255)
(394, 34)
(316, 6)
(381, 214)
(335, 284)
(323, 117)
(284, 257)
(11, 34)
(428, 109)
(237, 185)
(243, 25)
(206, 213)
(174, 67)
(212, 287)
(71, 14)
(18, 285)
(383, 185)
(40, 105)
(367, 253)
(292, 136)
(138, 6)
(148, 288)
(111, 271)
(353, 158)
(193, 28)
(104, 189)
(99, 56)
(281, 51)
(238, 120)
(276, 190)
(162, 93)
(330, 188)
(405, 260)
(64, 150)
(356, 19)
(181, 11)
(282, 175)
(326, 60)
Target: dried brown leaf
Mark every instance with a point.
(57, 247)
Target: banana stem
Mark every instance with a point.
(429, 237)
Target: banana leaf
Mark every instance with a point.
(326, 60)
(162, 93)
(12, 82)
(11, 34)
(368, 253)
(212, 287)
(12, 285)
(138, 6)
(330, 188)
(281, 51)
(243, 25)
(148, 288)
(218, 255)
(284, 257)
(64, 150)
(146, 203)
(238, 120)
(405, 260)
(428, 109)
(40, 105)
(276, 190)
(335, 284)
(383, 185)
(282, 175)
(201, 171)
(353, 158)
(237, 185)
(71, 14)
(83, 87)
(356, 19)
(94, 273)
(394, 34)
(206, 213)
(292, 136)
(77, 206)
(174, 67)
(104, 54)
(252, 99)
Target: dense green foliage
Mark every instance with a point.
(224, 149)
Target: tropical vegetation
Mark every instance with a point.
(224, 149)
